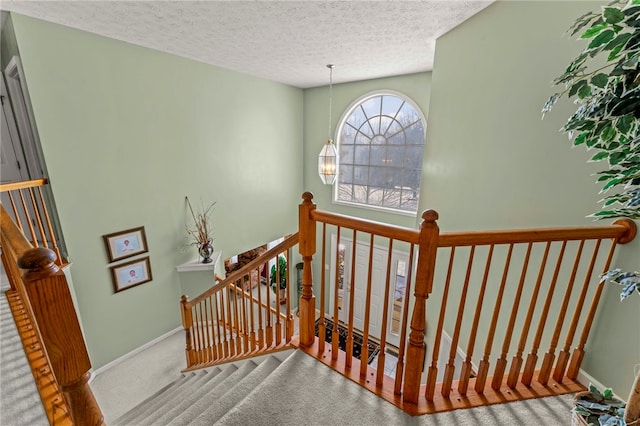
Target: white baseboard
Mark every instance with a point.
(132, 353)
(586, 379)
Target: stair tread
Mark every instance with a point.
(229, 375)
(203, 412)
(331, 394)
(141, 410)
(168, 399)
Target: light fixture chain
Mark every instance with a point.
(330, 97)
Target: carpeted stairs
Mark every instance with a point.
(299, 390)
(270, 392)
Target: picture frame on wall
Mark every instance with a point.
(130, 274)
(124, 244)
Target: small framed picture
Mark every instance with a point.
(131, 274)
(123, 244)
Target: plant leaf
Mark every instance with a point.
(593, 31)
(613, 15)
(599, 156)
(600, 80)
(602, 38)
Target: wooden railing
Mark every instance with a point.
(240, 316)
(483, 307)
(44, 292)
(26, 205)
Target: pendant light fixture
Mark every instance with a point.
(328, 158)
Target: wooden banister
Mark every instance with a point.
(307, 247)
(428, 242)
(492, 298)
(33, 209)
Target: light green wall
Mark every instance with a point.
(492, 163)
(127, 132)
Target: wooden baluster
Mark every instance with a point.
(277, 298)
(578, 352)
(322, 326)
(237, 320)
(269, 327)
(501, 363)
(219, 314)
(229, 325)
(252, 320)
(198, 334)
(433, 368)
(54, 242)
(385, 317)
(212, 328)
(450, 367)
(15, 211)
(352, 293)
(516, 363)
(224, 314)
(403, 329)
(532, 358)
(483, 367)
(307, 247)
(187, 324)
(428, 241)
(245, 316)
(36, 212)
(467, 369)
(34, 239)
(549, 357)
(364, 350)
(261, 336)
(53, 310)
(205, 330)
(563, 355)
(289, 323)
(336, 299)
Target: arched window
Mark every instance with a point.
(380, 141)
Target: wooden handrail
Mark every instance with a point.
(12, 186)
(46, 292)
(229, 322)
(368, 226)
(246, 269)
(623, 229)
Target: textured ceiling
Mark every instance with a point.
(286, 41)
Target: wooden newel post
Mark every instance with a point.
(50, 299)
(187, 323)
(307, 247)
(416, 348)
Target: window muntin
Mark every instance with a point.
(380, 141)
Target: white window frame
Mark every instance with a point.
(345, 115)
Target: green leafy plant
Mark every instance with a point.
(279, 274)
(607, 119)
(604, 81)
(599, 408)
(629, 281)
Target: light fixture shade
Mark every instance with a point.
(328, 163)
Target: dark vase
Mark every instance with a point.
(206, 250)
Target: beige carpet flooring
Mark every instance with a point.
(126, 384)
